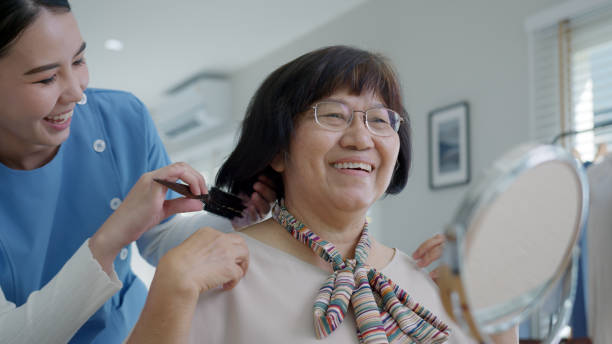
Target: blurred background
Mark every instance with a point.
(529, 70)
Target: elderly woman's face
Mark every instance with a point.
(347, 170)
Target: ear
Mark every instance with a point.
(278, 163)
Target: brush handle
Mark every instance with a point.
(183, 189)
(217, 201)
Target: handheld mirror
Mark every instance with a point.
(512, 238)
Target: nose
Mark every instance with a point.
(357, 136)
(73, 88)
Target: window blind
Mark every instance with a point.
(545, 64)
(571, 82)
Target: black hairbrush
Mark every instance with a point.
(216, 201)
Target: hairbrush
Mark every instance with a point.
(215, 201)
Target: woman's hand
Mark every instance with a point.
(430, 251)
(258, 204)
(206, 260)
(144, 207)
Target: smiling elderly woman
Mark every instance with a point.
(331, 129)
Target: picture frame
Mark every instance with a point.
(449, 146)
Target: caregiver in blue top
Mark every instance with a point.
(68, 159)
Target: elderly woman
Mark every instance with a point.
(331, 129)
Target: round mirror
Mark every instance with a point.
(512, 238)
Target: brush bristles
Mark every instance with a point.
(224, 204)
(225, 212)
(226, 199)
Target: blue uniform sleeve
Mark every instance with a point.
(157, 157)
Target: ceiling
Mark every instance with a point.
(167, 42)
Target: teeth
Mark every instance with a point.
(354, 165)
(59, 119)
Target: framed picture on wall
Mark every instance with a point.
(449, 146)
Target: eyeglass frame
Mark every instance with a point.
(400, 119)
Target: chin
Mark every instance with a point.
(58, 139)
(348, 202)
(63, 136)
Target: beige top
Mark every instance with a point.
(273, 302)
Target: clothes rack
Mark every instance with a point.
(576, 132)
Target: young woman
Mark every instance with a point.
(68, 158)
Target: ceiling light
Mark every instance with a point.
(113, 45)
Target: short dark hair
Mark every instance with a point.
(17, 15)
(290, 90)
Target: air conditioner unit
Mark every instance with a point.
(201, 105)
(195, 122)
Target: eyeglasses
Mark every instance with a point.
(337, 116)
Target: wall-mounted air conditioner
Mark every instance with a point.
(201, 105)
(194, 121)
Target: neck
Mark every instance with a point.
(21, 157)
(341, 228)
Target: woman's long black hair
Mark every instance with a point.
(290, 90)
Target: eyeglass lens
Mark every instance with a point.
(337, 116)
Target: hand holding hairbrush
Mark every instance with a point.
(216, 201)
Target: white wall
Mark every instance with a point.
(444, 52)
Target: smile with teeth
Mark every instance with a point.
(59, 119)
(353, 166)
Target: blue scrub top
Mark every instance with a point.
(46, 214)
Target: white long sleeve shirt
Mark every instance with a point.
(54, 313)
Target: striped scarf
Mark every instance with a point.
(384, 312)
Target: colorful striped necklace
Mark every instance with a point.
(384, 312)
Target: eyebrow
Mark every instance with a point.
(373, 105)
(52, 65)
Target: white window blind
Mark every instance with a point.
(545, 94)
(571, 82)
